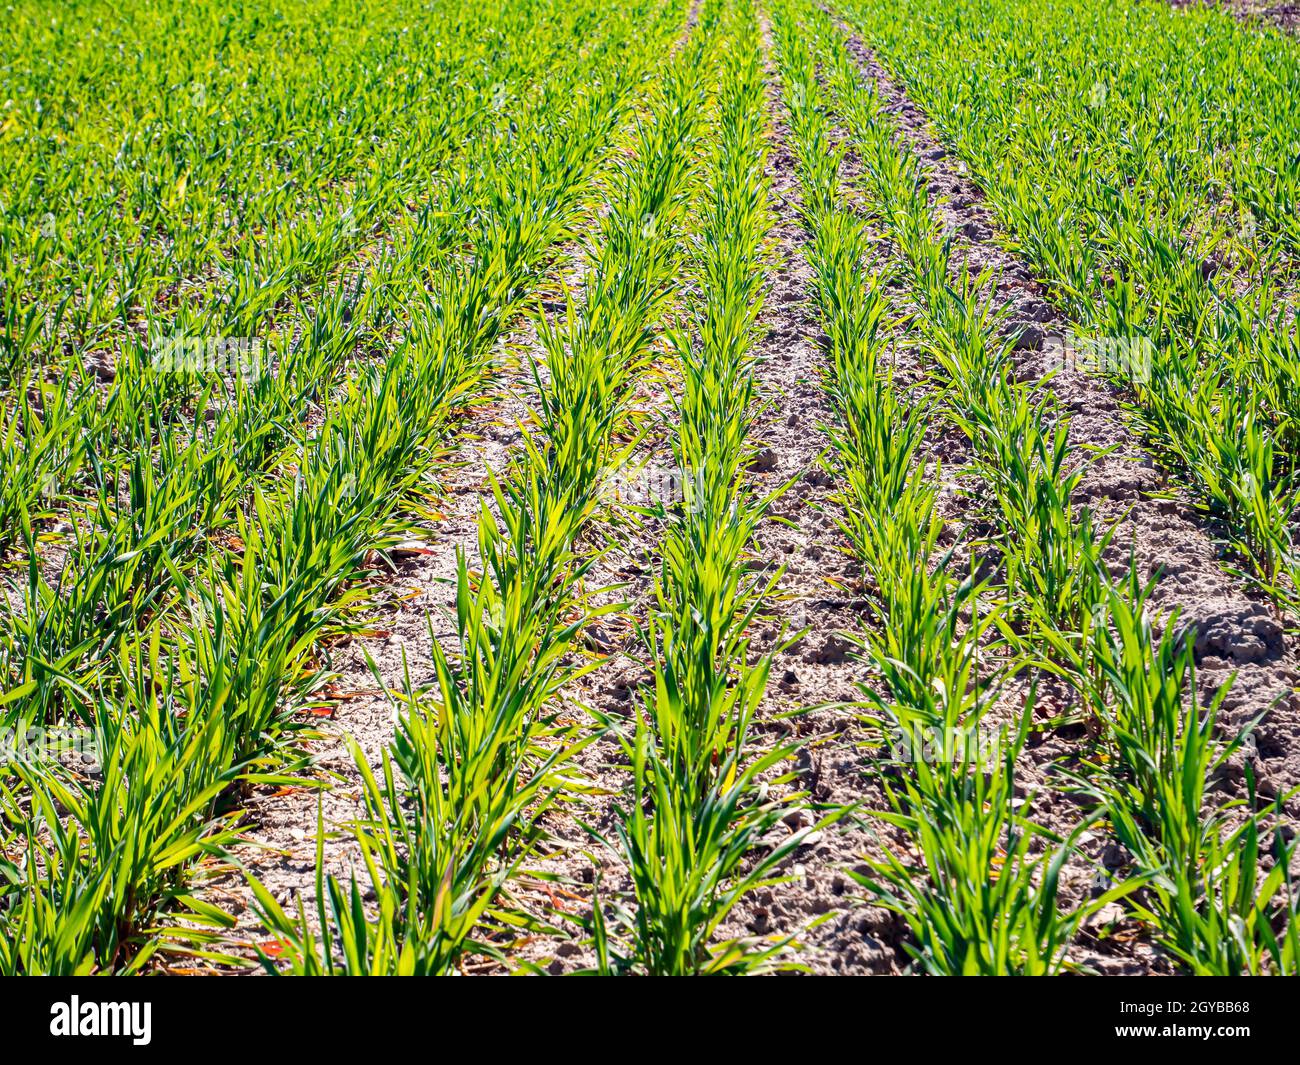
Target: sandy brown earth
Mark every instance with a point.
(1284, 16)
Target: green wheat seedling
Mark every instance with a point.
(243, 628)
(982, 895)
(980, 892)
(479, 750)
(1215, 904)
(1130, 234)
(691, 853)
(703, 799)
(94, 853)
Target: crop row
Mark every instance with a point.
(1139, 162)
(188, 674)
(985, 895)
(692, 830)
(479, 757)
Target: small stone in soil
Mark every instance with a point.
(1030, 338)
(832, 650)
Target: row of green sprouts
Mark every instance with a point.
(187, 627)
(1152, 198)
(706, 797)
(480, 758)
(959, 646)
